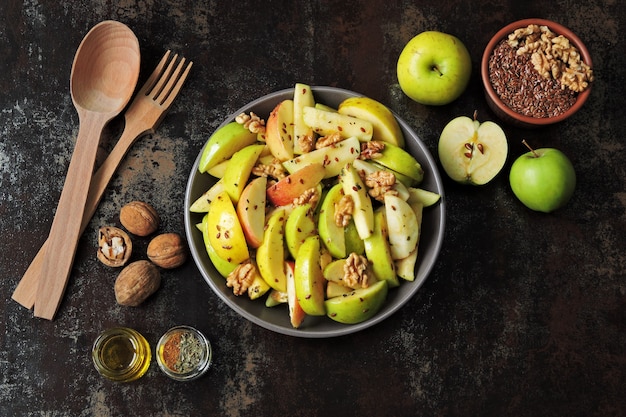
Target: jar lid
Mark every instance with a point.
(183, 353)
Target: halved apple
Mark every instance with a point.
(333, 158)
(298, 227)
(238, 170)
(293, 185)
(358, 305)
(309, 279)
(363, 213)
(251, 210)
(302, 97)
(402, 227)
(386, 127)
(279, 131)
(223, 143)
(296, 313)
(327, 122)
(270, 255)
(333, 236)
(224, 230)
(378, 251)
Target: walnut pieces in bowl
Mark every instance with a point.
(536, 72)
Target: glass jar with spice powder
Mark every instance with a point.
(183, 353)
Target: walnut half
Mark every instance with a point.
(114, 246)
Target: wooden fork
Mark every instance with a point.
(142, 117)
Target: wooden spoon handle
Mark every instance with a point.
(65, 229)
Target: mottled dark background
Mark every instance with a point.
(523, 315)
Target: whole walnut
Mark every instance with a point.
(139, 218)
(137, 281)
(167, 250)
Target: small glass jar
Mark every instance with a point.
(183, 353)
(121, 354)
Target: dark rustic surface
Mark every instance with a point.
(524, 314)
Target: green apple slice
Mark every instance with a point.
(279, 131)
(399, 160)
(309, 278)
(202, 203)
(334, 271)
(354, 243)
(224, 230)
(332, 158)
(302, 97)
(386, 127)
(259, 287)
(298, 227)
(363, 214)
(368, 168)
(333, 236)
(378, 251)
(358, 305)
(334, 289)
(425, 197)
(223, 143)
(472, 152)
(275, 298)
(402, 226)
(327, 122)
(222, 266)
(238, 170)
(270, 255)
(405, 267)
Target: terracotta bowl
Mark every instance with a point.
(494, 101)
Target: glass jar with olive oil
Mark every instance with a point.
(121, 354)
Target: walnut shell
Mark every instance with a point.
(136, 282)
(114, 246)
(139, 218)
(167, 250)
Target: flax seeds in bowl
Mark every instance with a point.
(536, 72)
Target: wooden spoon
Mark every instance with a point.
(104, 75)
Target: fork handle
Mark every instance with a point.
(26, 291)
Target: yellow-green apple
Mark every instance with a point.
(334, 289)
(298, 227)
(386, 127)
(363, 213)
(258, 287)
(222, 266)
(202, 203)
(294, 185)
(275, 297)
(354, 243)
(405, 267)
(434, 68)
(332, 158)
(402, 227)
(251, 211)
(270, 255)
(224, 230)
(328, 122)
(223, 143)
(238, 170)
(358, 305)
(332, 235)
(378, 251)
(543, 179)
(302, 97)
(425, 197)
(296, 313)
(472, 152)
(279, 131)
(310, 283)
(399, 160)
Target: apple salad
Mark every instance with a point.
(318, 208)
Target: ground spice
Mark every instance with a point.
(182, 352)
(171, 351)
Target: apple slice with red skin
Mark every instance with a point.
(293, 185)
(296, 313)
(279, 131)
(251, 211)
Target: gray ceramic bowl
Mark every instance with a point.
(277, 318)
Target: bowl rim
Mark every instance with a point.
(559, 30)
(340, 330)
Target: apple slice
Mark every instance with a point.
(327, 122)
(472, 152)
(259, 287)
(358, 305)
(363, 213)
(334, 289)
(333, 236)
(405, 267)
(275, 298)
(223, 143)
(333, 158)
(365, 168)
(296, 313)
(386, 127)
(302, 97)
(402, 227)
(425, 197)
(399, 160)
(293, 185)
(309, 278)
(270, 255)
(354, 243)
(251, 211)
(238, 170)
(298, 227)
(223, 266)
(224, 230)
(202, 203)
(378, 251)
(279, 131)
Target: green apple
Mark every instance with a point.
(399, 160)
(378, 251)
(425, 197)
(327, 122)
(402, 227)
(302, 97)
(294, 185)
(270, 255)
(238, 170)
(298, 227)
(434, 68)
(405, 267)
(363, 213)
(386, 127)
(223, 143)
(279, 131)
(333, 236)
(472, 152)
(358, 305)
(309, 280)
(258, 287)
(223, 266)
(333, 158)
(202, 203)
(543, 179)
(224, 230)
(251, 211)
(354, 243)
